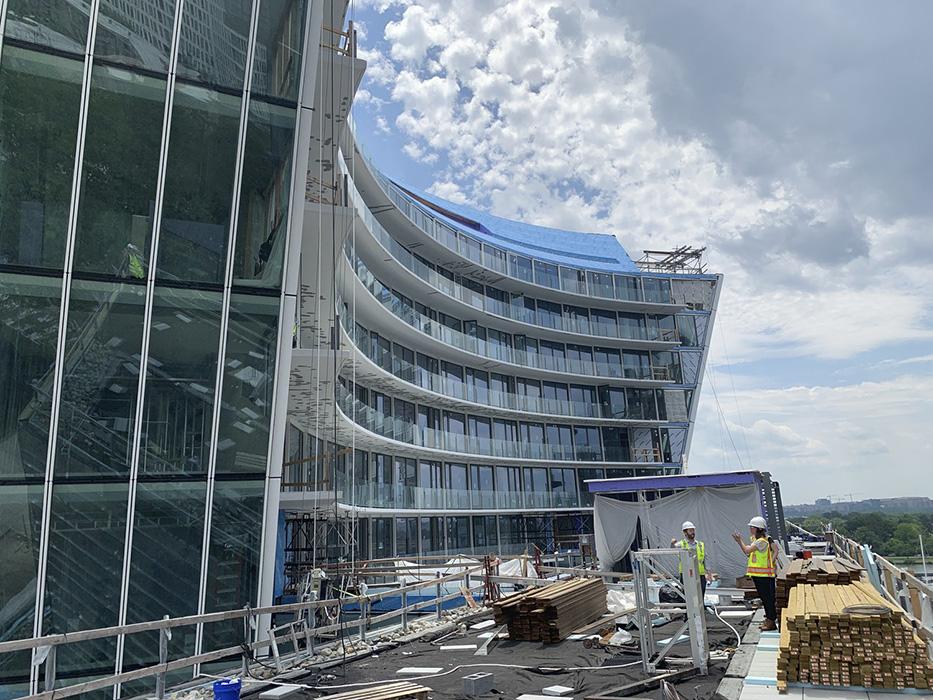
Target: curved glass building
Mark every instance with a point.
(482, 370)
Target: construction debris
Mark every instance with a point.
(401, 690)
(551, 613)
(848, 635)
(814, 572)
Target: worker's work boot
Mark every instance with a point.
(768, 625)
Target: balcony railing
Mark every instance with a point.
(493, 351)
(590, 326)
(400, 496)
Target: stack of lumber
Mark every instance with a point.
(848, 635)
(400, 690)
(551, 613)
(814, 571)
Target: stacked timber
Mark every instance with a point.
(848, 635)
(814, 572)
(400, 690)
(551, 613)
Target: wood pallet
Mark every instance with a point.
(401, 690)
(829, 638)
(815, 572)
(552, 613)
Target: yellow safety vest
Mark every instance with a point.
(761, 563)
(701, 557)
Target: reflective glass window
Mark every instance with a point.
(180, 380)
(584, 400)
(39, 102)
(573, 280)
(248, 382)
(279, 39)
(264, 195)
(484, 531)
(604, 322)
(616, 445)
(168, 528)
(131, 35)
(600, 284)
(657, 290)
(636, 365)
(520, 267)
(198, 185)
(627, 288)
(29, 309)
(84, 569)
(546, 274)
(586, 441)
(214, 41)
(432, 536)
(641, 404)
(687, 330)
(632, 326)
(511, 529)
(612, 400)
(458, 534)
(118, 177)
(549, 314)
(471, 248)
(587, 498)
(233, 556)
(382, 538)
(608, 362)
(563, 487)
(58, 24)
(21, 515)
(406, 536)
(100, 381)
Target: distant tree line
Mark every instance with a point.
(888, 534)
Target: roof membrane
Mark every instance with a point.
(593, 251)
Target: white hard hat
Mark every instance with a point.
(758, 522)
(688, 526)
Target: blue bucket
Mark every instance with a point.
(227, 689)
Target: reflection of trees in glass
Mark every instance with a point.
(39, 100)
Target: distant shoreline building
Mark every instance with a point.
(904, 504)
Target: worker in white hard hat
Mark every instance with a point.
(690, 541)
(762, 566)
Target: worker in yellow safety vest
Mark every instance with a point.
(762, 566)
(690, 541)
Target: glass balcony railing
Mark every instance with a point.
(403, 431)
(627, 329)
(375, 495)
(580, 281)
(439, 384)
(494, 351)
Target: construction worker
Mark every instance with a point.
(762, 566)
(690, 541)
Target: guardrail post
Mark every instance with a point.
(50, 670)
(275, 650)
(165, 634)
(437, 589)
(247, 634)
(364, 611)
(404, 611)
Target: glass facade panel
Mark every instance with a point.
(233, 556)
(198, 185)
(249, 379)
(57, 24)
(29, 308)
(279, 38)
(121, 166)
(139, 39)
(214, 42)
(21, 515)
(87, 528)
(180, 381)
(39, 100)
(99, 384)
(167, 536)
(264, 195)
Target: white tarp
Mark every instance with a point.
(418, 574)
(716, 511)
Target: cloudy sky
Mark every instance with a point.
(794, 140)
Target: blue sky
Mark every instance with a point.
(792, 140)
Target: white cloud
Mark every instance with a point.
(526, 105)
(872, 437)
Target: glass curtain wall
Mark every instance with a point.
(97, 403)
